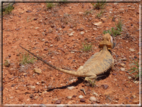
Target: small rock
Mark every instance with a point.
(71, 26)
(95, 29)
(93, 99)
(124, 59)
(35, 18)
(129, 77)
(73, 80)
(105, 86)
(131, 49)
(37, 83)
(81, 29)
(35, 97)
(71, 34)
(80, 96)
(82, 33)
(115, 3)
(43, 33)
(71, 87)
(7, 63)
(28, 11)
(115, 79)
(62, 26)
(97, 24)
(50, 30)
(51, 45)
(94, 93)
(136, 82)
(36, 27)
(69, 97)
(52, 26)
(122, 64)
(31, 87)
(45, 49)
(36, 34)
(31, 96)
(74, 96)
(82, 100)
(81, 13)
(122, 69)
(58, 102)
(37, 70)
(103, 19)
(43, 40)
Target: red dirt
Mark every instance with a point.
(52, 42)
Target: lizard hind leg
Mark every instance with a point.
(91, 80)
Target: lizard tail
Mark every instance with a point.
(60, 69)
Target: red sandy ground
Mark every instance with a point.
(52, 42)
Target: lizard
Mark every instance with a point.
(97, 64)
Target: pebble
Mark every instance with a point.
(35, 97)
(71, 34)
(129, 77)
(93, 99)
(31, 95)
(122, 69)
(7, 63)
(103, 19)
(69, 97)
(37, 70)
(58, 102)
(51, 45)
(71, 87)
(94, 93)
(80, 96)
(132, 50)
(82, 100)
(95, 29)
(37, 83)
(32, 87)
(81, 13)
(36, 27)
(115, 79)
(45, 49)
(81, 29)
(82, 33)
(97, 24)
(115, 3)
(124, 59)
(136, 82)
(122, 64)
(105, 86)
(43, 40)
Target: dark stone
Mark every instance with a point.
(35, 18)
(13, 85)
(82, 100)
(28, 11)
(58, 102)
(45, 49)
(105, 86)
(31, 96)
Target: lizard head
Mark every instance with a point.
(108, 41)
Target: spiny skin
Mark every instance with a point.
(97, 64)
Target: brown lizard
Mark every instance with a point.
(98, 63)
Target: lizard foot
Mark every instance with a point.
(90, 81)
